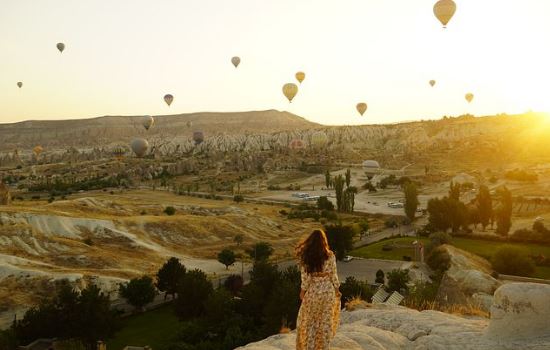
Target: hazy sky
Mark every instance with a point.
(122, 56)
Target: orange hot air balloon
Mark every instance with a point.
(361, 108)
(432, 83)
(300, 76)
(444, 11)
(290, 90)
(469, 97)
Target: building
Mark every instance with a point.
(5, 196)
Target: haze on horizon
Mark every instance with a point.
(122, 56)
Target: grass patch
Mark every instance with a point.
(483, 248)
(374, 251)
(155, 328)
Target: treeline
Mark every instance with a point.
(449, 213)
(62, 185)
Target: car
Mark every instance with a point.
(347, 258)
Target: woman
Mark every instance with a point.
(319, 313)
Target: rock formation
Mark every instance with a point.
(519, 321)
(5, 196)
(468, 279)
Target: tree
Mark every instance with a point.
(86, 317)
(169, 211)
(138, 292)
(363, 228)
(473, 216)
(484, 205)
(193, 292)
(226, 257)
(338, 184)
(348, 177)
(96, 320)
(283, 303)
(445, 213)
(340, 239)
(239, 238)
(234, 283)
(328, 181)
(261, 251)
(439, 260)
(323, 203)
(504, 214)
(398, 279)
(454, 191)
(351, 192)
(437, 239)
(169, 277)
(513, 260)
(411, 200)
(380, 277)
(352, 288)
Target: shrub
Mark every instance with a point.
(439, 260)
(437, 239)
(323, 203)
(170, 211)
(238, 198)
(398, 279)
(380, 277)
(352, 288)
(88, 241)
(512, 260)
(391, 223)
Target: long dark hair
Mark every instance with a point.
(313, 251)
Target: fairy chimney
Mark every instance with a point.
(5, 197)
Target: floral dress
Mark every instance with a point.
(319, 313)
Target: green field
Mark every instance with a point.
(154, 328)
(479, 247)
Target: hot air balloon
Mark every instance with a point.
(432, 83)
(469, 97)
(198, 137)
(361, 108)
(20, 84)
(119, 151)
(148, 122)
(319, 139)
(236, 61)
(444, 11)
(296, 144)
(168, 99)
(37, 150)
(140, 147)
(290, 90)
(300, 76)
(60, 47)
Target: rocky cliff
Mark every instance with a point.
(519, 320)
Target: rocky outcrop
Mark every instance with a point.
(5, 197)
(519, 321)
(467, 279)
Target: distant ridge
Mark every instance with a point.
(108, 129)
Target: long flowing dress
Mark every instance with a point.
(319, 313)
